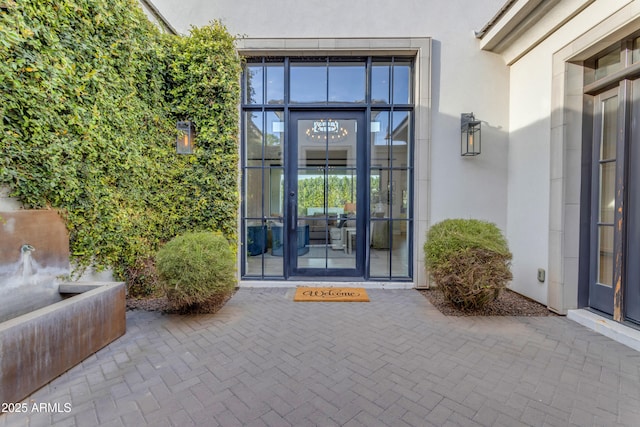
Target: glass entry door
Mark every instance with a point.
(604, 201)
(615, 224)
(326, 206)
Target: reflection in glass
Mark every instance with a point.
(273, 149)
(380, 82)
(308, 82)
(378, 207)
(326, 141)
(400, 138)
(401, 198)
(607, 191)
(382, 189)
(401, 83)
(635, 57)
(380, 253)
(400, 254)
(605, 252)
(380, 237)
(609, 128)
(256, 244)
(347, 82)
(608, 64)
(380, 139)
(253, 138)
(253, 200)
(389, 252)
(275, 207)
(253, 84)
(275, 84)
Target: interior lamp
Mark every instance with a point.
(349, 208)
(184, 141)
(470, 139)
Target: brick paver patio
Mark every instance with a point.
(264, 360)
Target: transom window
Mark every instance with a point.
(620, 60)
(328, 81)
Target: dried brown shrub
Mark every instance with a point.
(473, 278)
(469, 260)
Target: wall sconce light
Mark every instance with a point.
(186, 134)
(470, 140)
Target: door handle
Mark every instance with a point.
(293, 210)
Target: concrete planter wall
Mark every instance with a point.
(37, 347)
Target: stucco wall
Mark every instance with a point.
(528, 177)
(544, 155)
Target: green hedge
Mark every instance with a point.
(90, 94)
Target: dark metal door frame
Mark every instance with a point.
(291, 179)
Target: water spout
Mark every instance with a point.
(27, 248)
(27, 266)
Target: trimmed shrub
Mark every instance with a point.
(197, 270)
(469, 260)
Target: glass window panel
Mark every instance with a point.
(635, 57)
(607, 191)
(380, 255)
(253, 138)
(380, 139)
(273, 150)
(342, 191)
(323, 142)
(312, 142)
(609, 128)
(347, 82)
(605, 255)
(401, 83)
(253, 84)
(256, 239)
(273, 262)
(318, 226)
(276, 239)
(380, 193)
(377, 208)
(275, 84)
(380, 86)
(275, 206)
(342, 252)
(342, 142)
(380, 237)
(400, 138)
(311, 193)
(608, 64)
(400, 249)
(308, 82)
(253, 198)
(401, 194)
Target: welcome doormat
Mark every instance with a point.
(331, 295)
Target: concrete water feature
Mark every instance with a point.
(47, 325)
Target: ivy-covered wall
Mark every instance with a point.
(90, 92)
